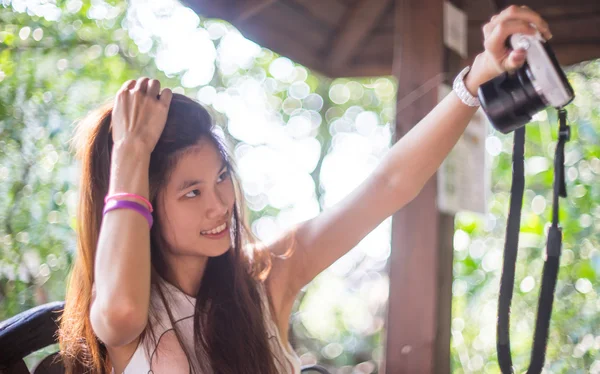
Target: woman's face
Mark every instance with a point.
(198, 203)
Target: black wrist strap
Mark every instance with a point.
(552, 260)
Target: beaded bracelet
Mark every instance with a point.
(461, 91)
(132, 195)
(118, 204)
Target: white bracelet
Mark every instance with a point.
(461, 91)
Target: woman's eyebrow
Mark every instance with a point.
(190, 182)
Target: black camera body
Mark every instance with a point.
(511, 99)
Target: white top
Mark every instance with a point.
(168, 356)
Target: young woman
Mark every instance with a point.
(168, 278)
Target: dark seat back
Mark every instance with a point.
(26, 333)
(311, 369)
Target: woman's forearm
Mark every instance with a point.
(416, 156)
(122, 264)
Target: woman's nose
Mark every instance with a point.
(217, 206)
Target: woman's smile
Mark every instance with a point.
(217, 232)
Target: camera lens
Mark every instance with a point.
(510, 100)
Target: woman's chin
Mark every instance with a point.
(217, 249)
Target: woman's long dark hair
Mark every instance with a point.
(228, 318)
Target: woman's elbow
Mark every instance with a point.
(400, 191)
(117, 326)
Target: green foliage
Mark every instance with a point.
(574, 342)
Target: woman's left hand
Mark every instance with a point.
(497, 57)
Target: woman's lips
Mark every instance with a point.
(217, 236)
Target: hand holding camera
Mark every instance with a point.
(530, 79)
(498, 57)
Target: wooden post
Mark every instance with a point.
(418, 325)
(453, 64)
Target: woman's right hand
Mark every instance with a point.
(139, 114)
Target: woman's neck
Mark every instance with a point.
(186, 273)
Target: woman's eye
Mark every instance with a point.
(192, 191)
(224, 176)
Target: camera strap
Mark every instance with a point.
(552, 258)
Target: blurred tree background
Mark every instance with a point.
(302, 142)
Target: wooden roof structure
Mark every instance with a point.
(349, 38)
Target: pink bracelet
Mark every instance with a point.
(118, 204)
(123, 194)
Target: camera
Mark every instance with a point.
(511, 99)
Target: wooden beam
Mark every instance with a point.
(362, 69)
(453, 64)
(572, 29)
(498, 5)
(356, 25)
(377, 46)
(414, 299)
(290, 23)
(233, 11)
(246, 9)
(329, 12)
(552, 14)
(445, 280)
(534, 4)
(296, 50)
(576, 35)
(567, 51)
(574, 53)
(209, 9)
